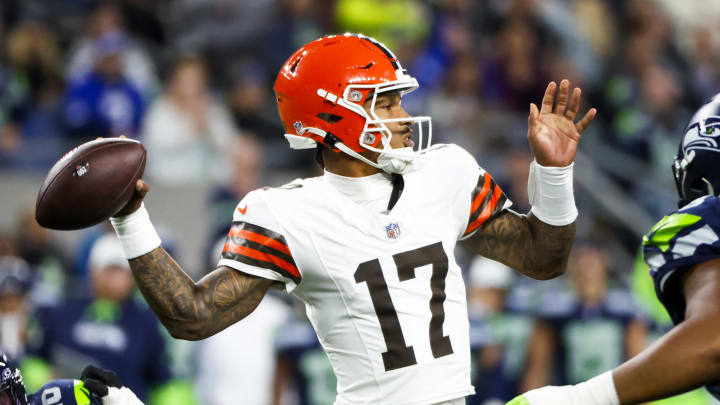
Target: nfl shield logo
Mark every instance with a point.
(298, 127)
(393, 230)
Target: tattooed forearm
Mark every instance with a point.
(192, 310)
(525, 243)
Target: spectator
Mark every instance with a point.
(303, 374)
(30, 89)
(187, 132)
(104, 102)
(15, 283)
(108, 328)
(498, 333)
(45, 256)
(252, 109)
(134, 63)
(587, 332)
(247, 173)
(239, 361)
(219, 380)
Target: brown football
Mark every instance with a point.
(90, 183)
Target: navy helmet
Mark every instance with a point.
(12, 389)
(697, 165)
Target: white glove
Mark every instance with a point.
(120, 396)
(596, 391)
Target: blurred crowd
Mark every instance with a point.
(192, 79)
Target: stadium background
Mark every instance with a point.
(193, 80)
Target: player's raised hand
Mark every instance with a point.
(552, 131)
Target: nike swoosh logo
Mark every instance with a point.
(243, 209)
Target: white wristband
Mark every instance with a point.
(598, 390)
(550, 191)
(136, 233)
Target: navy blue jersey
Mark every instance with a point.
(679, 241)
(588, 341)
(298, 347)
(63, 392)
(124, 338)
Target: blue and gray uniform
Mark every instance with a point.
(674, 245)
(63, 392)
(679, 241)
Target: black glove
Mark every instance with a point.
(97, 380)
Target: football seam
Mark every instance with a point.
(132, 183)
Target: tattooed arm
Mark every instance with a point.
(192, 310)
(524, 243)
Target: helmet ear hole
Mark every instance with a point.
(329, 118)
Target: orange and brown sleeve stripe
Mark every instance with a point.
(260, 247)
(487, 201)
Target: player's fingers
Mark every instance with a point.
(96, 387)
(533, 115)
(142, 187)
(574, 106)
(107, 377)
(562, 97)
(586, 120)
(122, 137)
(548, 98)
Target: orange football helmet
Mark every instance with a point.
(320, 92)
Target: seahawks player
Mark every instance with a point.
(95, 387)
(683, 253)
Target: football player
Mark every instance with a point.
(368, 246)
(683, 253)
(95, 387)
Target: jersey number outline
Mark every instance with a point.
(398, 354)
(51, 396)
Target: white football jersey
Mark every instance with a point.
(382, 291)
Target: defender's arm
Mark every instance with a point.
(688, 356)
(524, 243)
(685, 358)
(192, 310)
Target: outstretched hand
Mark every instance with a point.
(552, 132)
